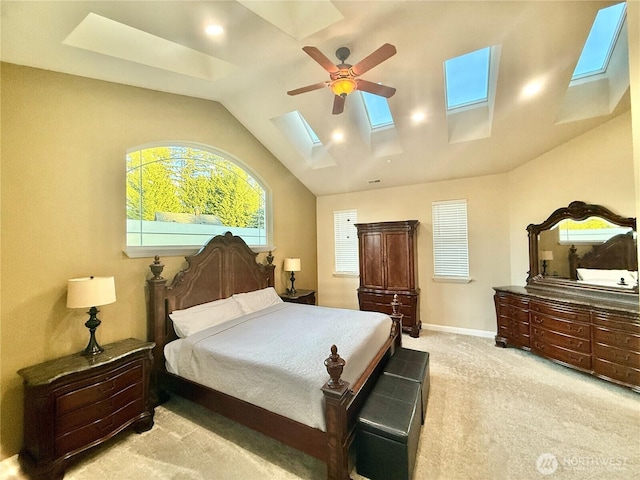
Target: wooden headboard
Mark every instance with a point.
(617, 253)
(224, 266)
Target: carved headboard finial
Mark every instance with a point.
(269, 258)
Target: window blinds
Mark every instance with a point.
(346, 241)
(450, 239)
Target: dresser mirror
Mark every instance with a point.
(585, 247)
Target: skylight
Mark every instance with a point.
(314, 138)
(600, 42)
(467, 78)
(377, 109)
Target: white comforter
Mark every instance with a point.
(274, 358)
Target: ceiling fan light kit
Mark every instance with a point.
(344, 76)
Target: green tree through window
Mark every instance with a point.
(183, 195)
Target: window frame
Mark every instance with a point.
(184, 250)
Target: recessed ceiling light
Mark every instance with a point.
(531, 89)
(214, 30)
(338, 136)
(418, 116)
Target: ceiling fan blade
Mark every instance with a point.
(375, 88)
(308, 88)
(319, 57)
(380, 55)
(338, 104)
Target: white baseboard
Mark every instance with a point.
(458, 330)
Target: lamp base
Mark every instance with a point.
(92, 347)
(292, 290)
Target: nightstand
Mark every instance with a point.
(76, 402)
(301, 296)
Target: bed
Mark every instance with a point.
(225, 268)
(613, 263)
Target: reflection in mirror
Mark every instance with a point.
(577, 237)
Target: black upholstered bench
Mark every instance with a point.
(412, 365)
(388, 430)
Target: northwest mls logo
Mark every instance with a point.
(547, 463)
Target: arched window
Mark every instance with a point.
(180, 195)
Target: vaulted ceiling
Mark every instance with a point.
(162, 45)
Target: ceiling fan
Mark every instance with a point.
(344, 77)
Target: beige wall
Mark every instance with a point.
(440, 303)
(63, 201)
(596, 167)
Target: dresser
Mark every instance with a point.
(388, 266)
(591, 335)
(76, 402)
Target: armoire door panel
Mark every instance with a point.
(371, 262)
(397, 258)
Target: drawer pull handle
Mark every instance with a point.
(107, 387)
(622, 374)
(106, 425)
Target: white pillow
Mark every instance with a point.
(603, 276)
(258, 299)
(192, 320)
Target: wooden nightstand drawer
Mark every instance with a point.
(105, 386)
(102, 409)
(77, 439)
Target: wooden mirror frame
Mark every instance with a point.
(576, 210)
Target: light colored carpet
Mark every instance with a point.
(493, 414)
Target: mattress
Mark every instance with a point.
(274, 358)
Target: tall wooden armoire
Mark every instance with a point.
(388, 266)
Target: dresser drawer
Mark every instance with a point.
(559, 311)
(580, 360)
(515, 300)
(562, 326)
(616, 338)
(617, 355)
(617, 321)
(102, 409)
(88, 434)
(576, 344)
(519, 314)
(622, 373)
(103, 388)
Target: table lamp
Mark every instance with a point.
(546, 256)
(91, 292)
(292, 265)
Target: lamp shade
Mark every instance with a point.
(292, 264)
(546, 255)
(90, 292)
